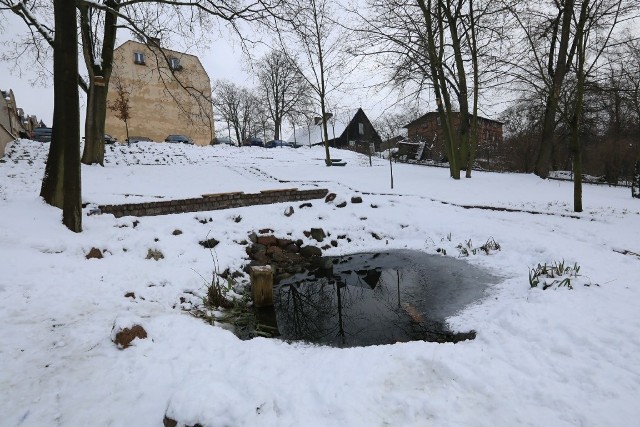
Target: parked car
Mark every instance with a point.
(132, 139)
(41, 134)
(108, 139)
(278, 143)
(253, 141)
(179, 138)
(223, 140)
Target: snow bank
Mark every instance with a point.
(558, 357)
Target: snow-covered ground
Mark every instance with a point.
(556, 357)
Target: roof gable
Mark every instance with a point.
(435, 113)
(313, 134)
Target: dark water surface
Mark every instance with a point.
(367, 299)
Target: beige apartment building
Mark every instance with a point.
(14, 123)
(169, 93)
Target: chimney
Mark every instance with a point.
(153, 41)
(318, 120)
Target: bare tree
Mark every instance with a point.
(552, 34)
(61, 182)
(281, 85)
(98, 26)
(301, 116)
(443, 47)
(97, 53)
(227, 101)
(565, 42)
(312, 29)
(120, 106)
(392, 125)
(237, 106)
(261, 122)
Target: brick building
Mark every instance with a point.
(426, 139)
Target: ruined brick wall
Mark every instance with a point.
(211, 202)
(428, 129)
(490, 132)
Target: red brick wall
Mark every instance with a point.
(212, 202)
(428, 129)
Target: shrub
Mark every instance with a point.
(557, 273)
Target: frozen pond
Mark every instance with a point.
(382, 298)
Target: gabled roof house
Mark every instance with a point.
(352, 130)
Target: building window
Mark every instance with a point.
(138, 58)
(361, 128)
(174, 63)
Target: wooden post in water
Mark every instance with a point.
(262, 285)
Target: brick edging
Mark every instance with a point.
(212, 202)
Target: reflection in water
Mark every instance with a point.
(368, 299)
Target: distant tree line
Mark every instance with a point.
(568, 71)
(281, 95)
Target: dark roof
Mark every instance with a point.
(430, 113)
(337, 129)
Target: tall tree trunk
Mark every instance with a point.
(635, 183)
(390, 167)
(323, 108)
(557, 77)
(325, 132)
(576, 149)
(473, 134)
(52, 189)
(463, 125)
(295, 139)
(451, 137)
(61, 182)
(126, 128)
(94, 128)
(99, 70)
(438, 80)
(322, 92)
(276, 132)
